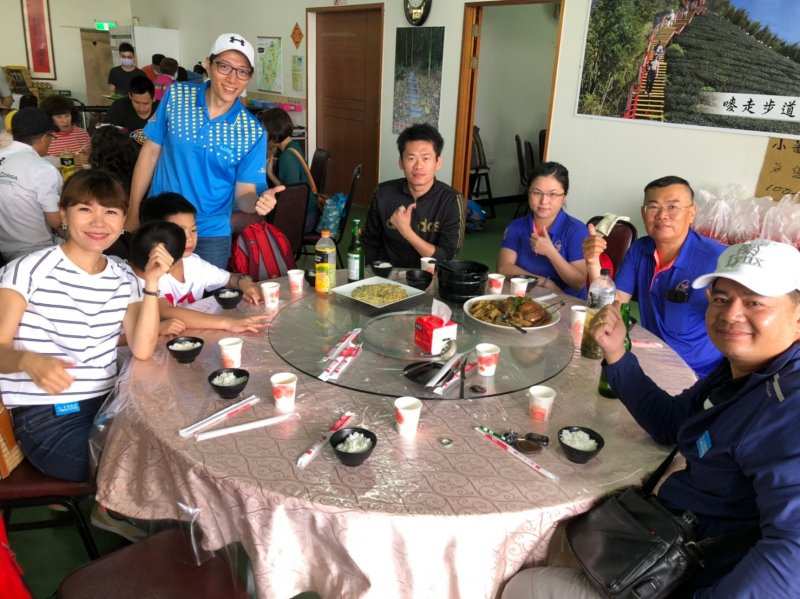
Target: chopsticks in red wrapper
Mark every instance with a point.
(341, 356)
(344, 342)
(469, 369)
(340, 364)
(312, 451)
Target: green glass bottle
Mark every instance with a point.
(604, 388)
(355, 254)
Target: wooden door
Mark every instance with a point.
(96, 46)
(348, 64)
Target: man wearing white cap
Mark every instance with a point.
(737, 429)
(203, 144)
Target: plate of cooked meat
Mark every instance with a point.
(506, 311)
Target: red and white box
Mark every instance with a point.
(431, 333)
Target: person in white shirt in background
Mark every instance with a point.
(29, 187)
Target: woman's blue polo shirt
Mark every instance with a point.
(567, 234)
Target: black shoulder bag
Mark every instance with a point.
(632, 547)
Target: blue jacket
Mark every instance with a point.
(743, 467)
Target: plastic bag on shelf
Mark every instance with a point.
(746, 218)
(713, 215)
(782, 221)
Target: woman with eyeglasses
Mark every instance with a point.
(203, 144)
(547, 242)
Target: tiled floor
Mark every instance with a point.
(50, 554)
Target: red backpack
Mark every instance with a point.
(262, 251)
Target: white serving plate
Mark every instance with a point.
(556, 314)
(347, 291)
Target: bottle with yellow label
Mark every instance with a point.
(325, 263)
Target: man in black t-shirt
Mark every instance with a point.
(119, 78)
(133, 112)
(416, 216)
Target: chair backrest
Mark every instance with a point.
(523, 176)
(618, 241)
(477, 148)
(542, 141)
(346, 214)
(290, 213)
(319, 168)
(530, 160)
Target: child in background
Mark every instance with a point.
(168, 67)
(69, 138)
(176, 319)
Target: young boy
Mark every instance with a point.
(191, 277)
(174, 319)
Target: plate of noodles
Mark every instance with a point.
(501, 311)
(377, 292)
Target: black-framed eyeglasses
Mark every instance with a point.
(225, 69)
(553, 195)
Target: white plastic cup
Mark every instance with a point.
(272, 293)
(488, 357)
(428, 264)
(284, 389)
(496, 281)
(577, 322)
(519, 286)
(230, 349)
(540, 402)
(296, 281)
(406, 415)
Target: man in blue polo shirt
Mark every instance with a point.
(658, 271)
(203, 144)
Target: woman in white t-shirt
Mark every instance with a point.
(64, 309)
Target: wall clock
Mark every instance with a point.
(417, 11)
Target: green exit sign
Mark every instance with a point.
(105, 25)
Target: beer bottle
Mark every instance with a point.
(355, 254)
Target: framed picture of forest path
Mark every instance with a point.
(726, 64)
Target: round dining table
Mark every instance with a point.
(445, 514)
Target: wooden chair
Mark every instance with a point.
(618, 241)
(479, 172)
(27, 487)
(289, 214)
(162, 566)
(319, 168)
(525, 174)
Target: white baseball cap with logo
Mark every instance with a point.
(768, 268)
(234, 41)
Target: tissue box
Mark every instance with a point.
(431, 333)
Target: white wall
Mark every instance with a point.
(67, 17)
(514, 85)
(610, 161)
(277, 17)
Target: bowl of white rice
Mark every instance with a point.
(228, 382)
(228, 298)
(185, 349)
(580, 444)
(353, 445)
